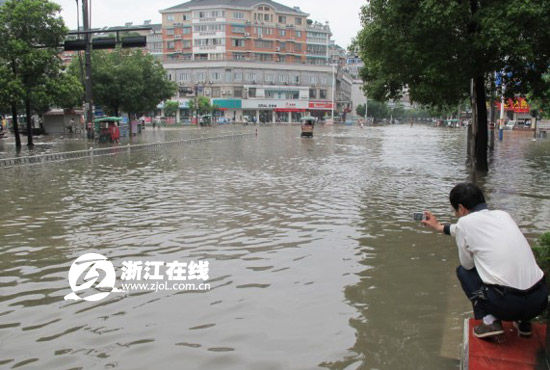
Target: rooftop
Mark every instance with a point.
(235, 4)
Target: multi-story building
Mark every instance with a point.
(253, 58)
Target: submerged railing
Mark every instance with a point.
(98, 152)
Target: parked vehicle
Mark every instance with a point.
(510, 125)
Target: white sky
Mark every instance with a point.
(342, 15)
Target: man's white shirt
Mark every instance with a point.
(492, 242)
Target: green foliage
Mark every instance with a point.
(436, 47)
(30, 32)
(360, 110)
(542, 253)
(540, 101)
(127, 80)
(171, 108)
(202, 105)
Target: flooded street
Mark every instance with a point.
(314, 258)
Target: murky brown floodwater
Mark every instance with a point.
(314, 260)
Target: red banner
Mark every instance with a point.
(516, 105)
(320, 105)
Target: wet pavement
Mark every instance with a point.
(314, 258)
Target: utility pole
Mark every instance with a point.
(333, 92)
(89, 106)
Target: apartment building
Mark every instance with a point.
(254, 58)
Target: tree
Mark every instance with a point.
(445, 51)
(201, 106)
(171, 108)
(361, 110)
(30, 32)
(127, 80)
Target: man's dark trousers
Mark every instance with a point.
(504, 303)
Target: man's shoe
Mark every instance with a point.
(524, 328)
(484, 331)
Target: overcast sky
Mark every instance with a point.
(342, 15)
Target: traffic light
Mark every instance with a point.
(134, 42)
(106, 43)
(103, 43)
(72, 45)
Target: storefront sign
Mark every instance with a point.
(322, 105)
(228, 103)
(274, 104)
(516, 105)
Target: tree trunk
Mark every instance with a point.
(477, 140)
(29, 122)
(15, 125)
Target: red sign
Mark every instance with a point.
(295, 110)
(516, 105)
(320, 105)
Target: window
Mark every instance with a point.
(313, 93)
(282, 58)
(238, 15)
(266, 17)
(238, 56)
(238, 92)
(282, 19)
(237, 76)
(251, 76)
(215, 92)
(186, 44)
(251, 92)
(322, 94)
(237, 29)
(185, 17)
(201, 76)
(264, 57)
(216, 76)
(269, 77)
(170, 18)
(170, 45)
(238, 43)
(282, 33)
(298, 21)
(298, 47)
(170, 32)
(184, 76)
(186, 30)
(299, 34)
(263, 44)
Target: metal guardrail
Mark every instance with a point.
(98, 152)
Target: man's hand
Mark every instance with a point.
(432, 222)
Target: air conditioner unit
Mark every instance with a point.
(246, 34)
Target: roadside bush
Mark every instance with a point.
(542, 254)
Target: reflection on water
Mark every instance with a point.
(314, 260)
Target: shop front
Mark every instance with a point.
(275, 111)
(320, 109)
(230, 109)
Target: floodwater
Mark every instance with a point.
(314, 260)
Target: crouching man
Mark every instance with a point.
(498, 271)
